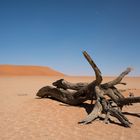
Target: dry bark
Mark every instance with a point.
(81, 92)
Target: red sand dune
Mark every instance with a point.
(19, 70)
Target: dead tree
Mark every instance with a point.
(77, 93)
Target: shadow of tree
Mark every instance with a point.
(132, 114)
(89, 107)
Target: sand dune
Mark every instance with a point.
(16, 70)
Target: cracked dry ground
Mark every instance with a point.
(22, 116)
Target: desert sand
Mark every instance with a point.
(24, 117)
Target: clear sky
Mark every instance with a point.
(55, 32)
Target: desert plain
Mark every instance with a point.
(23, 116)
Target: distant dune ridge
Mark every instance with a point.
(19, 70)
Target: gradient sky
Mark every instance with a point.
(55, 32)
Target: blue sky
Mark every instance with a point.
(55, 32)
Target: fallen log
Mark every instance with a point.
(77, 93)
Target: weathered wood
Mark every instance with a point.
(77, 86)
(118, 79)
(129, 100)
(81, 92)
(68, 85)
(95, 68)
(62, 95)
(96, 112)
(89, 89)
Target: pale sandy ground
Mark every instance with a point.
(23, 117)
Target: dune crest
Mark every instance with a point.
(25, 70)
